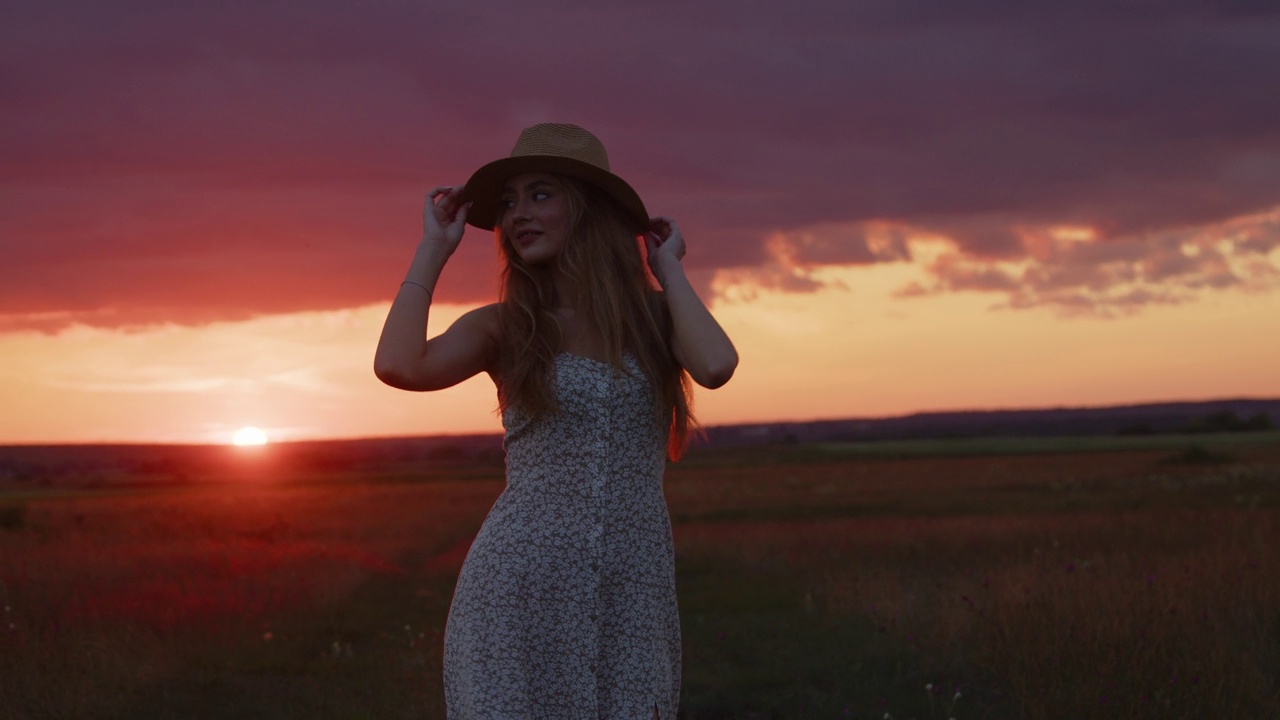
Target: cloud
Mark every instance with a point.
(234, 359)
(794, 260)
(1076, 272)
(188, 163)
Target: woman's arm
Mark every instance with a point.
(700, 344)
(405, 359)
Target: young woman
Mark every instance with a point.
(565, 606)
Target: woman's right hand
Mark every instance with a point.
(444, 218)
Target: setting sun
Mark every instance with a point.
(249, 436)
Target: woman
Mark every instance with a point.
(565, 606)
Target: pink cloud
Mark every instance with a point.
(178, 162)
(1109, 276)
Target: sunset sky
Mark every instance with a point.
(892, 205)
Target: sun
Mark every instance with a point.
(249, 435)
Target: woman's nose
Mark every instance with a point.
(520, 211)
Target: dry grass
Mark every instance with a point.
(1114, 585)
(110, 597)
(1083, 585)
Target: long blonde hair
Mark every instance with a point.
(603, 256)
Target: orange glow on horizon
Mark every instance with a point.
(249, 436)
(848, 348)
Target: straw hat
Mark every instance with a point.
(550, 148)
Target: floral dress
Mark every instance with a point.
(566, 606)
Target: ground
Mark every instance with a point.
(952, 578)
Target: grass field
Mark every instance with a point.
(1072, 578)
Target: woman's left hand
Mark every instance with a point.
(664, 243)
(698, 342)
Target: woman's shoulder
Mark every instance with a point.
(478, 332)
(485, 319)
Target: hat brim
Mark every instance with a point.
(484, 189)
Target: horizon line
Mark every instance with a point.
(757, 423)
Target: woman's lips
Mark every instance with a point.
(526, 237)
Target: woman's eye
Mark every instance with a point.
(508, 204)
(541, 196)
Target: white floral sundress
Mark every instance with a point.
(566, 606)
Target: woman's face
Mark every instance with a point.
(535, 217)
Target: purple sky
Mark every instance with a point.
(166, 162)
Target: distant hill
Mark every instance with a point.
(1154, 418)
(112, 465)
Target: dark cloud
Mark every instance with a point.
(199, 161)
(840, 246)
(1116, 277)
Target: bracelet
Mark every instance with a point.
(424, 287)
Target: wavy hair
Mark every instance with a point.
(603, 255)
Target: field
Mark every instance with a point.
(1070, 578)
